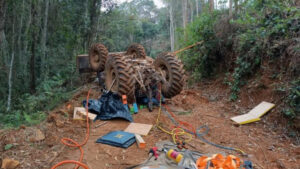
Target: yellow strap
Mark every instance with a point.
(173, 133)
(188, 47)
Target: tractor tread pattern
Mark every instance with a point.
(124, 74)
(102, 52)
(138, 49)
(176, 74)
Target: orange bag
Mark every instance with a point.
(218, 161)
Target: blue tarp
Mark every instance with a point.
(118, 139)
(109, 106)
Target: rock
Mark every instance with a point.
(51, 140)
(280, 165)
(59, 123)
(176, 109)
(236, 125)
(9, 164)
(56, 119)
(22, 127)
(183, 101)
(37, 135)
(296, 123)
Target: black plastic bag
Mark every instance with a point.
(109, 106)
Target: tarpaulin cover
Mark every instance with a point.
(118, 139)
(109, 106)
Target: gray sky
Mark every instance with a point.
(158, 3)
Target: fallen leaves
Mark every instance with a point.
(9, 164)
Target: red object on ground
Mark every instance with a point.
(153, 150)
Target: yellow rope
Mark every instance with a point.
(173, 133)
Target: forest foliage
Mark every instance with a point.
(39, 41)
(41, 38)
(262, 36)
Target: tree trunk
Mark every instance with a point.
(10, 80)
(20, 34)
(191, 11)
(230, 8)
(44, 40)
(2, 21)
(236, 6)
(11, 63)
(94, 16)
(184, 13)
(197, 8)
(3, 42)
(27, 36)
(211, 5)
(171, 27)
(131, 37)
(202, 6)
(34, 33)
(184, 16)
(32, 68)
(86, 26)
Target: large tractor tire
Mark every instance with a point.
(172, 71)
(119, 76)
(137, 51)
(98, 55)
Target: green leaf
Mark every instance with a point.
(8, 146)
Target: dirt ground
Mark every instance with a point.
(265, 141)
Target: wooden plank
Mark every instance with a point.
(245, 118)
(138, 128)
(80, 113)
(140, 141)
(75, 115)
(261, 109)
(254, 114)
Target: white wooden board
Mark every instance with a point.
(138, 128)
(79, 113)
(254, 114)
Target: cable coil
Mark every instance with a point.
(186, 129)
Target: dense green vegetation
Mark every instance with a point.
(262, 36)
(261, 30)
(39, 41)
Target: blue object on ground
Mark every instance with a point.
(118, 139)
(145, 100)
(109, 106)
(126, 107)
(248, 165)
(135, 108)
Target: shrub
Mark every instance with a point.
(32, 109)
(201, 60)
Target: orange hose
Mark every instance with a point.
(73, 143)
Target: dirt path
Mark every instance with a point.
(266, 147)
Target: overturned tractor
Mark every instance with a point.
(133, 73)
